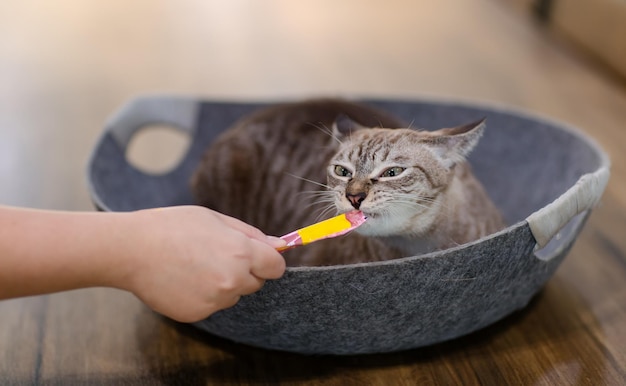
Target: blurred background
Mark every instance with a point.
(66, 65)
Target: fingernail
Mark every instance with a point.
(276, 242)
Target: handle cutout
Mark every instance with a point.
(157, 148)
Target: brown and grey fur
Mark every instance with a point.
(275, 169)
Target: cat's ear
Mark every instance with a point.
(453, 144)
(343, 126)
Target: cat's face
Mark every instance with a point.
(395, 176)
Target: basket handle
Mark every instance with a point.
(584, 195)
(108, 158)
(179, 112)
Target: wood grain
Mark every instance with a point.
(66, 65)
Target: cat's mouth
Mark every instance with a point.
(365, 212)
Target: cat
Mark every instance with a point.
(289, 165)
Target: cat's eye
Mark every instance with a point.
(392, 172)
(342, 172)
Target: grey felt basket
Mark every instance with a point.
(544, 176)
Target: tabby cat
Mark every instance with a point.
(288, 166)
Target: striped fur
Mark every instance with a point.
(290, 165)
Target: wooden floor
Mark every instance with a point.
(65, 65)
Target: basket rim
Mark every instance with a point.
(497, 107)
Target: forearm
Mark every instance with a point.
(185, 262)
(46, 251)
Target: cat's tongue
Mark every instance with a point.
(333, 227)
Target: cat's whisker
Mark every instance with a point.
(410, 126)
(314, 193)
(409, 201)
(414, 204)
(326, 130)
(324, 200)
(319, 196)
(316, 199)
(321, 202)
(325, 212)
(308, 180)
(413, 199)
(408, 204)
(417, 199)
(315, 203)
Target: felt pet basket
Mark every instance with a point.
(544, 176)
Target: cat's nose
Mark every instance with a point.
(356, 199)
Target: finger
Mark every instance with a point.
(227, 302)
(242, 227)
(252, 232)
(266, 263)
(253, 285)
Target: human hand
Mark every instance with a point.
(188, 262)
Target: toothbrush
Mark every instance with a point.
(333, 227)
